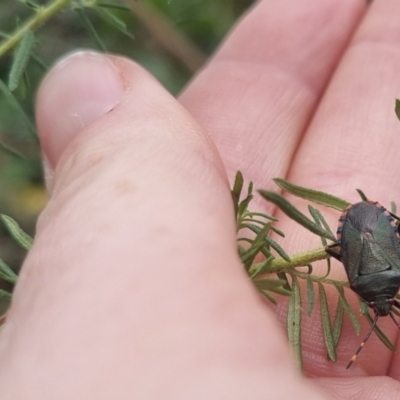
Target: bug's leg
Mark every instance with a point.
(396, 303)
(352, 359)
(392, 316)
(397, 223)
(394, 216)
(3, 319)
(333, 253)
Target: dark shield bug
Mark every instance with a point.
(368, 242)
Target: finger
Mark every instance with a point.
(374, 388)
(352, 143)
(133, 286)
(257, 94)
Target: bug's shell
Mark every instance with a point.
(369, 248)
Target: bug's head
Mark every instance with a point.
(381, 306)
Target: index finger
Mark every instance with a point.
(258, 93)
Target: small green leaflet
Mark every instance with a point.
(294, 321)
(22, 238)
(21, 59)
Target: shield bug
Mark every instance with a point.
(368, 246)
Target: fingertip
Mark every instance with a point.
(80, 88)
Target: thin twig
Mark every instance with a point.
(168, 36)
(41, 16)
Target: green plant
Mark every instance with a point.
(6, 273)
(279, 273)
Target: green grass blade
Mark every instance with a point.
(314, 214)
(268, 284)
(277, 231)
(283, 277)
(22, 238)
(281, 290)
(362, 195)
(121, 7)
(114, 21)
(294, 321)
(21, 59)
(338, 323)
(277, 248)
(237, 190)
(349, 311)
(244, 204)
(258, 214)
(310, 295)
(10, 98)
(326, 323)
(315, 196)
(262, 267)
(397, 108)
(269, 297)
(6, 273)
(90, 28)
(11, 151)
(323, 222)
(5, 295)
(295, 214)
(393, 207)
(382, 337)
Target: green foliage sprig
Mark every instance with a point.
(6, 273)
(281, 274)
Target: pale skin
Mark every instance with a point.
(133, 288)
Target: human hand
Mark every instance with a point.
(133, 288)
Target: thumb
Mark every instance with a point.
(133, 286)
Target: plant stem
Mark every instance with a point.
(297, 260)
(40, 17)
(167, 35)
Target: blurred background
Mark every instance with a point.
(170, 38)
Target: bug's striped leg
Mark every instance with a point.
(352, 359)
(392, 316)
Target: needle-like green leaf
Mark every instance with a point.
(91, 29)
(315, 196)
(269, 296)
(17, 107)
(393, 207)
(22, 238)
(338, 323)
(237, 190)
(5, 295)
(349, 311)
(326, 323)
(310, 295)
(294, 321)
(294, 213)
(21, 59)
(6, 273)
(362, 195)
(262, 267)
(397, 108)
(382, 337)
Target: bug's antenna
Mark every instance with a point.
(364, 341)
